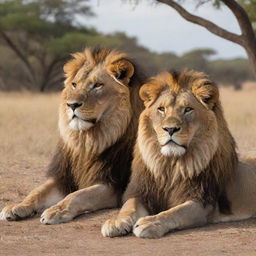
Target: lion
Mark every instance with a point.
(98, 119)
(185, 171)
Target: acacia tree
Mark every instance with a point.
(41, 33)
(244, 12)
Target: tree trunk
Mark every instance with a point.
(48, 72)
(21, 56)
(251, 53)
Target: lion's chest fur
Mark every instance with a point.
(169, 188)
(109, 166)
(84, 170)
(80, 167)
(163, 194)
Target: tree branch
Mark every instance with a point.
(48, 72)
(21, 56)
(242, 19)
(212, 27)
(55, 82)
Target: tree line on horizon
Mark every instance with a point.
(37, 37)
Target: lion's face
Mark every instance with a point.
(180, 111)
(93, 91)
(91, 98)
(177, 120)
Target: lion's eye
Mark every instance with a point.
(98, 86)
(74, 84)
(161, 109)
(188, 109)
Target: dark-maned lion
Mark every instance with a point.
(98, 120)
(185, 171)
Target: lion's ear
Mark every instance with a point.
(73, 65)
(207, 93)
(69, 68)
(149, 93)
(123, 70)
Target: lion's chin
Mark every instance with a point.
(172, 149)
(79, 124)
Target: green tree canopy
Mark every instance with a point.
(41, 33)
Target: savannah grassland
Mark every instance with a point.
(28, 134)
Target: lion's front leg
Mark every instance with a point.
(37, 200)
(122, 224)
(93, 198)
(188, 214)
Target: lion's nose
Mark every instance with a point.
(74, 105)
(171, 130)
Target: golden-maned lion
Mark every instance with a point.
(98, 120)
(185, 171)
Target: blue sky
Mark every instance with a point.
(160, 28)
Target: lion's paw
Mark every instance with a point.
(16, 212)
(55, 215)
(119, 226)
(148, 227)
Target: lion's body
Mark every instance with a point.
(102, 154)
(98, 120)
(201, 174)
(241, 194)
(192, 175)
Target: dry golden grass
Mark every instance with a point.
(240, 112)
(28, 124)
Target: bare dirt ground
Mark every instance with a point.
(28, 133)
